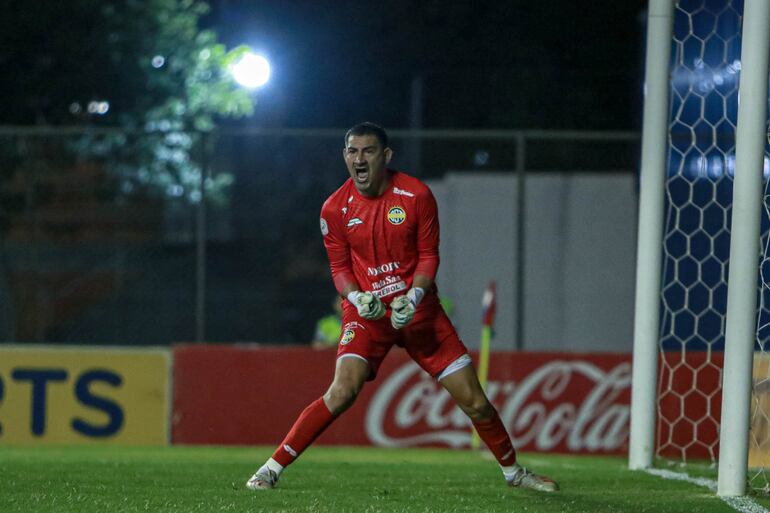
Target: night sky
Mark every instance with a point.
(492, 64)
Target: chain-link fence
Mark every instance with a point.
(91, 253)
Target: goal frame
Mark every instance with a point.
(744, 244)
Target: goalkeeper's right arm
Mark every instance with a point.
(368, 305)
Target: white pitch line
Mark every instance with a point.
(742, 504)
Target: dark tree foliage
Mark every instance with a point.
(161, 78)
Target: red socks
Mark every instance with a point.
(317, 417)
(311, 423)
(496, 437)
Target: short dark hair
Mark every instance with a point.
(368, 128)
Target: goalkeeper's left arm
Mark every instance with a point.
(404, 307)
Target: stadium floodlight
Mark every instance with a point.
(251, 70)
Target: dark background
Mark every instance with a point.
(84, 263)
(495, 64)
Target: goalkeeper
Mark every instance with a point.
(381, 234)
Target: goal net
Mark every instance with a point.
(705, 74)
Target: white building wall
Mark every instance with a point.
(579, 257)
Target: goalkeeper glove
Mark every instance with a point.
(403, 307)
(369, 306)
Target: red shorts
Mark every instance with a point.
(430, 339)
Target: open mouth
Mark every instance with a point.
(362, 174)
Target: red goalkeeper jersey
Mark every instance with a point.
(380, 244)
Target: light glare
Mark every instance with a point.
(251, 71)
(97, 107)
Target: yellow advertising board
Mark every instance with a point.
(80, 395)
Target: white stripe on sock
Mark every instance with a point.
(273, 465)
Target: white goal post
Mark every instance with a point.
(745, 150)
(650, 234)
(744, 249)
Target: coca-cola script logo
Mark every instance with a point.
(562, 405)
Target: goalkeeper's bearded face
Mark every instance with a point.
(366, 161)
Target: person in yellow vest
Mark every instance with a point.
(329, 328)
(447, 304)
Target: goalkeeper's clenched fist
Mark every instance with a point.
(369, 306)
(403, 307)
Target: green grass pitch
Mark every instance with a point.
(338, 480)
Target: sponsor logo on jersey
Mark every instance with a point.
(384, 268)
(402, 192)
(324, 227)
(396, 215)
(390, 289)
(354, 222)
(347, 336)
(387, 280)
(344, 210)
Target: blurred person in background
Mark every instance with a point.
(381, 234)
(329, 328)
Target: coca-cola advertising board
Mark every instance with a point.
(557, 402)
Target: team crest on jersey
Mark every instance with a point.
(347, 337)
(396, 215)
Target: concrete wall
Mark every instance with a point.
(580, 248)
